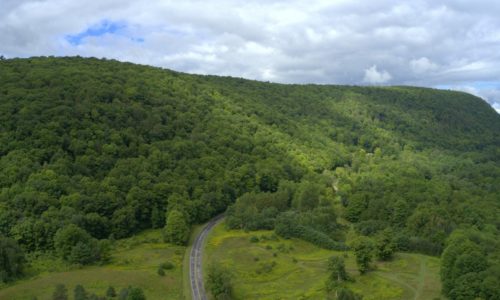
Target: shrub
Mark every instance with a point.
(167, 265)
(80, 293)
(60, 293)
(219, 282)
(111, 292)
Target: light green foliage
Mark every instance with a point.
(76, 245)
(134, 261)
(102, 145)
(301, 270)
(176, 229)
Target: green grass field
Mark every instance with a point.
(274, 268)
(134, 262)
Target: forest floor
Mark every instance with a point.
(134, 262)
(275, 268)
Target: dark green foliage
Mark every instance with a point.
(346, 294)
(135, 294)
(266, 267)
(131, 293)
(338, 274)
(79, 293)
(363, 250)
(11, 259)
(123, 295)
(254, 211)
(219, 282)
(60, 293)
(76, 245)
(167, 266)
(335, 284)
(113, 147)
(177, 228)
(384, 245)
(336, 267)
(160, 271)
(289, 224)
(469, 269)
(254, 239)
(111, 292)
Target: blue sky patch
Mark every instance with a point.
(102, 28)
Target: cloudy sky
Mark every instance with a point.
(451, 44)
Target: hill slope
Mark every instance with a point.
(113, 147)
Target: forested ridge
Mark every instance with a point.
(96, 150)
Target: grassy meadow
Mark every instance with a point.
(274, 268)
(134, 262)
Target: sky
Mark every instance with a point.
(441, 44)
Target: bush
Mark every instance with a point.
(254, 239)
(219, 282)
(167, 266)
(288, 226)
(161, 272)
(136, 294)
(111, 292)
(79, 292)
(266, 267)
(75, 245)
(60, 293)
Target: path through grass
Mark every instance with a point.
(274, 268)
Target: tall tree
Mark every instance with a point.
(177, 229)
(11, 259)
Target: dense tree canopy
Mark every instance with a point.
(98, 149)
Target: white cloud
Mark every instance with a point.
(421, 42)
(373, 76)
(422, 65)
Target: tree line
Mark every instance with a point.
(96, 150)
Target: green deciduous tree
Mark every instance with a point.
(363, 250)
(384, 245)
(219, 282)
(76, 245)
(11, 259)
(177, 228)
